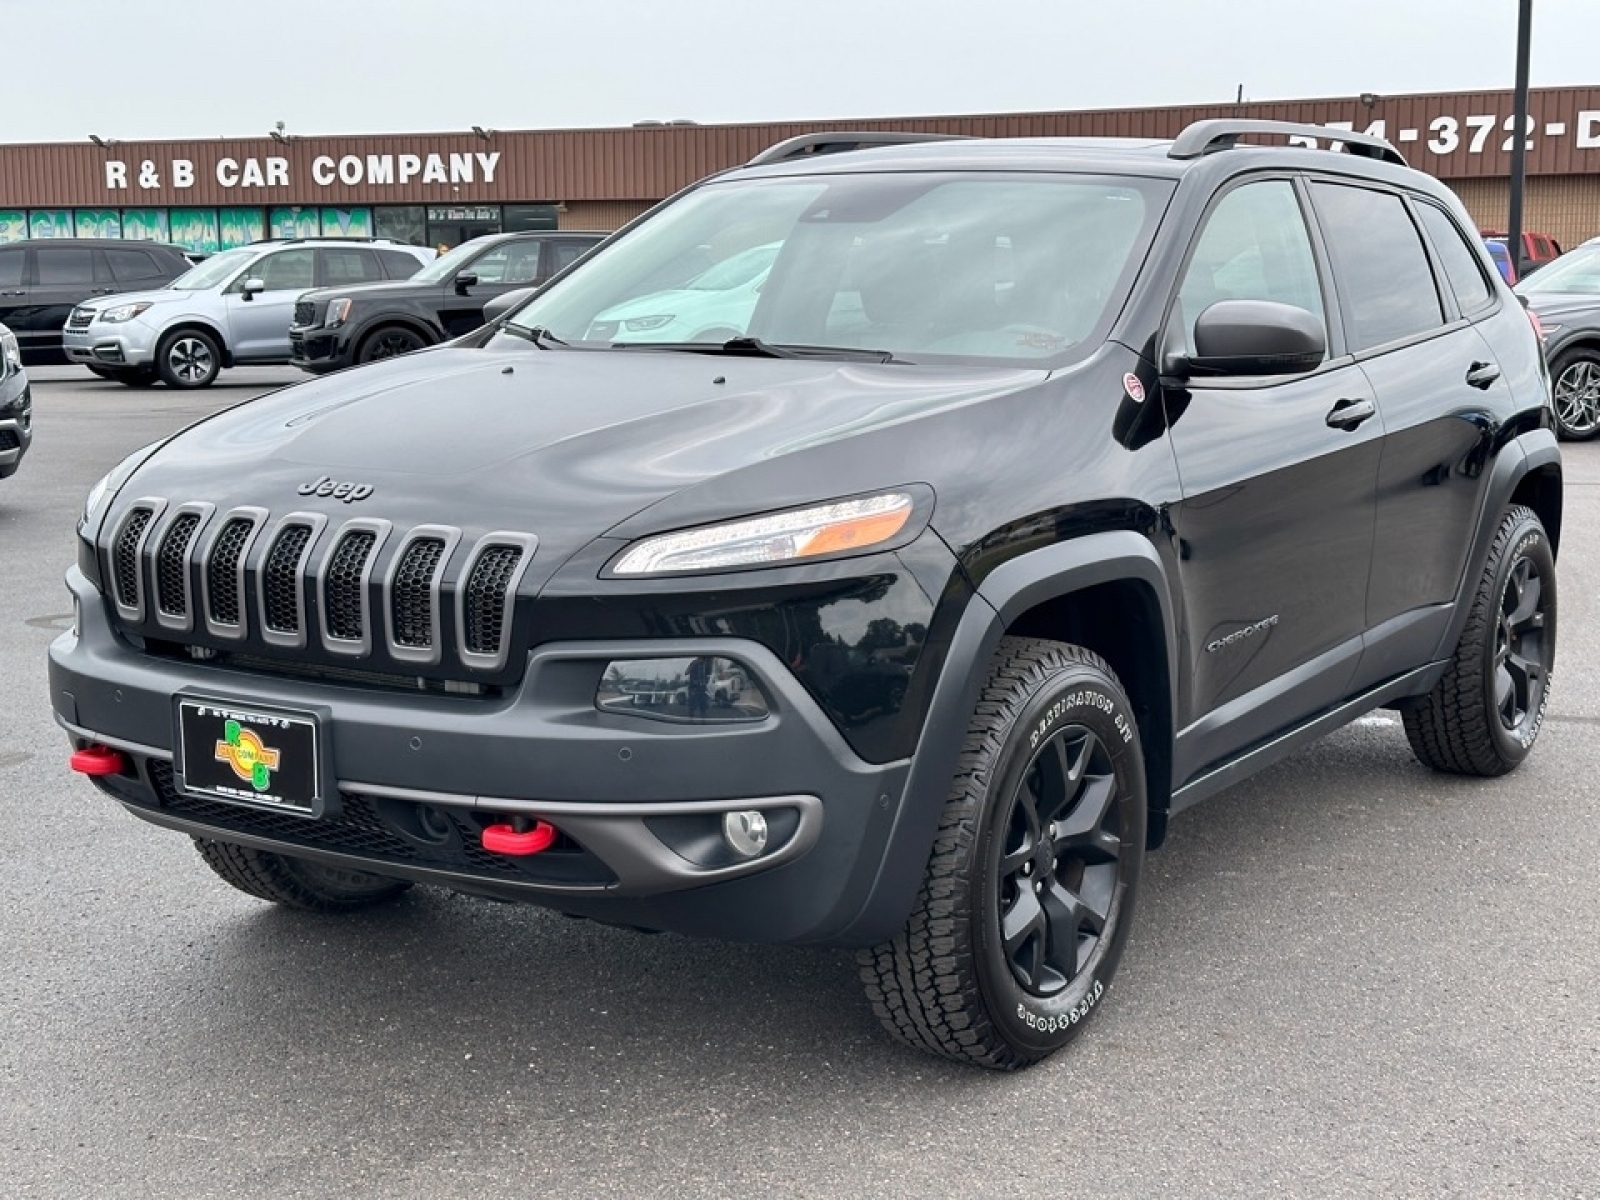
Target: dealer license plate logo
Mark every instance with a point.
(256, 756)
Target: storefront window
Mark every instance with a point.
(240, 227)
(13, 225)
(293, 222)
(404, 223)
(195, 228)
(346, 222)
(50, 223)
(531, 216)
(145, 224)
(97, 223)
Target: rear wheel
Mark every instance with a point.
(188, 358)
(297, 882)
(1482, 717)
(389, 341)
(1577, 394)
(1027, 901)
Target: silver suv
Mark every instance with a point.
(233, 309)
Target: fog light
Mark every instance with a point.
(745, 832)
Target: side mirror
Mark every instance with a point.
(464, 280)
(1254, 337)
(252, 288)
(501, 305)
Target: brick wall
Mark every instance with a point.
(1566, 207)
(602, 214)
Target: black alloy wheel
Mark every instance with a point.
(1028, 897)
(1057, 864)
(390, 341)
(1484, 714)
(1576, 391)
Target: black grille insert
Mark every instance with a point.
(486, 597)
(9, 439)
(222, 571)
(172, 566)
(342, 587)
(305, 311)
(125, 557)
(411, 602)
(281, 579)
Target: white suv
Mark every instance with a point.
(233, 309)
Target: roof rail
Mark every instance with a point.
(284, 241)
(808, 144)
(1207, 137)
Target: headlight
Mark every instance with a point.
(123, 312)
(846, 525)
(338, 310)
(103, 493)
(641, 324)
(10, 353)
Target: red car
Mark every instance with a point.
(1537, 249)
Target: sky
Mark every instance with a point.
(157, 69)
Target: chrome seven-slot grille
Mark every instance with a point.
(371, 588)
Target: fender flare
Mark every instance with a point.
(1519, 458)
(1004, 595)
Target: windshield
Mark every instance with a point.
(448, 265)
(1017, 268)
(1578, 270)
(214, 270)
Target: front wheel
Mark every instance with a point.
(389, 341)
(188, 358)
(1576, 390)
(297, 882)
(1484, 713)
(1028, 898)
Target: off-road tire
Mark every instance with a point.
(389, 341)
(1053, 723)
(297, 882)
(1483, 715)
(188, 358)
(1575, 388)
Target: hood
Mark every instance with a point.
(563, 444)
(159, 296)
(383, 287)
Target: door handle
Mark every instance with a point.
(1482, 374)
(13, 293)
(1347, 414)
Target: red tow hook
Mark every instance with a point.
(520, 838)
(98, 760)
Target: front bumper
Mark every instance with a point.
(639, 803)
(16, 423)
(111, 344)
(315, 349)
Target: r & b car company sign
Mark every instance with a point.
(324, 170)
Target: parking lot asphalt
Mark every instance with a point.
(1348, 976)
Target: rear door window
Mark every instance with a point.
(398, 264)
(129, 266)
(1386, 287)
(1459, 261)
(348, 264)
(61, 265)
(10, 268)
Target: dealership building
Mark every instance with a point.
(442, 188)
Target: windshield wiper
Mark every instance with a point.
(750, 347)
(537, 334)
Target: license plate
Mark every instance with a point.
(251, 754)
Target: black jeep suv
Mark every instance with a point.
(1042, 489)
(339, 327)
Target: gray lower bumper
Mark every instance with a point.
(643, 799)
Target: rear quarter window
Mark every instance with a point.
(1461, 264)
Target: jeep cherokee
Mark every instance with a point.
(1048, 487)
